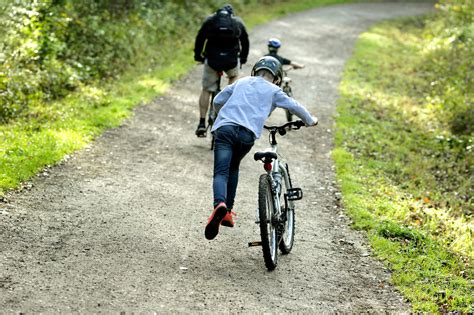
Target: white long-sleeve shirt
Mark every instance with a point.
(249, 101)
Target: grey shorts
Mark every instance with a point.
(210, 76)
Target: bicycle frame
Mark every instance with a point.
(286, 79)
(278, 172)
(276, 220)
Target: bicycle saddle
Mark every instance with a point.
(265, 156)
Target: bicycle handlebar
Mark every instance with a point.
(297, 124)
(292, 125)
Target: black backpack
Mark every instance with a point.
(224, 27)
(223, 48)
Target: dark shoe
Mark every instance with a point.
(214, 221)
(228, 219)
(201, 130)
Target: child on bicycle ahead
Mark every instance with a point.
(242, 110)
(273, 45)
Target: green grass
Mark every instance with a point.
(402, 182)
(50, 132)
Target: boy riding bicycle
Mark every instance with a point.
(273, 45)
(242, 110)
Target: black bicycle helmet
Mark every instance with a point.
(271, 64)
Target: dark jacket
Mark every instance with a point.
(209, 47)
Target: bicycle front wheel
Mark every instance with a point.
(268, 226)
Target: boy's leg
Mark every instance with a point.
(245, 143)
(223, 152)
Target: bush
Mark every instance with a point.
(50, 47)
(449, 64)
(30, 66)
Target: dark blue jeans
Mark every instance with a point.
(232, 143)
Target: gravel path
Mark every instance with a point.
(119, 226)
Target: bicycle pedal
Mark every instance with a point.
(293, 194)
(256, 243)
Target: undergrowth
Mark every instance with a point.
(404, 168)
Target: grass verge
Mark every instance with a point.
(401, 181)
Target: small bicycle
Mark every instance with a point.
(276, 196)
(285, 86)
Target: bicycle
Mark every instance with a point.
(276, 196)
(211, 115)
(287, 89)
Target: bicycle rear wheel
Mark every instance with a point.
(212, 141)
(268, 228)
(288, 233)
(212, 115)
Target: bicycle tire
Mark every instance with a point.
(210, 119)
(213, 139)
(289, 92)
(210, 113)
(288, 233)
(268, 231)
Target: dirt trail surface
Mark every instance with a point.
(119, 226)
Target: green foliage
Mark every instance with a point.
(449, 72)
(49, 133)
(405, 161)
(30, 70)
(51, 47)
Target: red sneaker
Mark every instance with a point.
(228, 219)
(214, 221)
